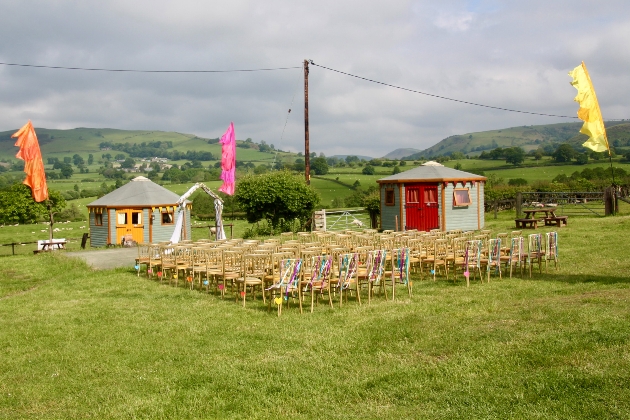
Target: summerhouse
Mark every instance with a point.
(432, 196)
(140, 210)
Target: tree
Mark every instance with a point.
(276, 196)
(514, 155)
(90, 159)
(319, 166)
(582, 159)
(564, 153)
(66, 171)
(77, 159)
(128, 163)
(368, 170)
(18, 205)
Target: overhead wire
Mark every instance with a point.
(439, 96)
(146, 71)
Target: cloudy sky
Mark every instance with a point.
(512, 54)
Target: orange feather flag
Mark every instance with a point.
(33, 164)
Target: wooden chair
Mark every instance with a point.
(399, 273)
(230, 269)
(535, 252)
(253, 271)
(493, 259)
(456, 252)
(287, 283)
(515, 255)
(438, 258)
(316, 278)
(471, 260)
(143, 258)
(347, 277)
(375, 266)
(551, 249)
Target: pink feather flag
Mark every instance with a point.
(228, 160)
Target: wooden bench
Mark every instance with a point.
(557, 221)
(526, 223)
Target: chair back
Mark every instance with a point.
(534, 246)
(516, 248)
(375, 265)
(348, 264)
(494, 253)
(472, 255)
(400, 264)
(551, 250)
(320, 266)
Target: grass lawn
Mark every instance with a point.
(76, 343)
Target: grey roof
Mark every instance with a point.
(140, 192)
(434, 173)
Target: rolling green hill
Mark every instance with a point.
(529, 137)
(85, 141)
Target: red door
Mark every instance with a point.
(421, 206)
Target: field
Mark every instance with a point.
(77, 343)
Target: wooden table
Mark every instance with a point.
(549, 212)
(50, 246)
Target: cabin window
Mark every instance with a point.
(167, 218)
(390, 199)
(461, 197)
(122, 218)
(136, 218)
(98, 219)
(413, 195)
(430, 196)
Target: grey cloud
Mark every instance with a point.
(506, 54)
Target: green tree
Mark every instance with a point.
(514, 155)
(319, 166)
(90, 159)
(66, 171)
(368, 170)
(564, 153)
(18, 206)
(128, 163)
(276, 196)
(582, 159)
(77, 159)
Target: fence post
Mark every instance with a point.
(13, 248)
(496, 208)
(519, 204)
(609, 204)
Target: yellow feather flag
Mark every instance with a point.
(589, 111)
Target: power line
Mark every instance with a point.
(442, 97)
(146, 71)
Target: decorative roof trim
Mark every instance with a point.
(406, 181)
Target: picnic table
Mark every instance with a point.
(531, 213)
(531, 221)
(55, 244)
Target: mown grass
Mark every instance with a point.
(77, 343)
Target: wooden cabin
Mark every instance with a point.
(432, 196)
(140, 209)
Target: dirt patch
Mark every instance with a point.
(107, 259)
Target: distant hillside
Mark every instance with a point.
(528, 137)
(401, 153)
(618, 136)
(85, 141)
(359, 156)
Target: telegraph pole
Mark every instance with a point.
(307, 154)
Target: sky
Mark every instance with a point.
(508, 54)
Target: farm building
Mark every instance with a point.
(432, 196)
(141, 210)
